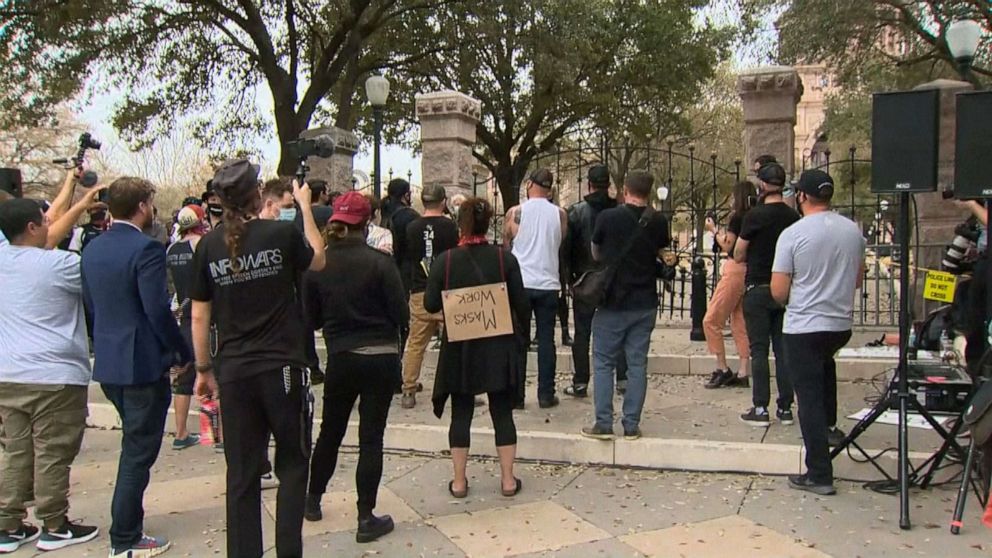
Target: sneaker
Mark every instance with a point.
(802, 482)
(835, 437)
(597, 432)
(785, 417)
(269, 481)
(621, 387)
(566, 340)
(311, 508)
(577, 390)
(317, 377)
(219, 447)
(719, 378)
(631, 433)
(189, 441)
(145, 548)
(409, 400)
(754, 418)
(372, 528)
(738, 382)
(10, 541)
(548, 403)
(67, 535)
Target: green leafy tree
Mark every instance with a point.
(546, 67)
(205, 59)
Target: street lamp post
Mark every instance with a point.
(377, 91)
(962, 39)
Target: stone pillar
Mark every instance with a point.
(937, 216)
(447, 134)
(338, 168)
(769, 95)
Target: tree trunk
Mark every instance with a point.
(509, 176)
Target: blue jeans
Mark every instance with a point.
(143, 409)
(544, 305)
(614, 331)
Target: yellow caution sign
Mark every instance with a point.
(939, 286)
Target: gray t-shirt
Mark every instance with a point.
(42, 327)
(823, 253)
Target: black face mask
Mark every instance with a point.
(98, 216)
(215, 210)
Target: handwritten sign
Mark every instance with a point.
(939, 286)
(477, 312)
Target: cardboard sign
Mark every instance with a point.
(939, 286)
(477, 312)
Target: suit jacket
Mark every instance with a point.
(135, 337)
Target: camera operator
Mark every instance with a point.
(819, 264)
(98, 224)
(763, 316)
(972, 295)
(44, 375)
(277, 201)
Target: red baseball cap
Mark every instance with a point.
(351, 208)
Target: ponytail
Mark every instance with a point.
(234, 233)
(474, 217)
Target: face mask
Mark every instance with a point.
(215, 209)
(287, 214)
(98, 216)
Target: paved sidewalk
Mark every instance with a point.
(567, 511)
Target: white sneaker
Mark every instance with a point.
(269, 481)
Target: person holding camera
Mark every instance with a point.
(245, 282)
(760, 231)
(136, 341)
(44, 375)
(727, 300)
(625, 321)
(818, 267)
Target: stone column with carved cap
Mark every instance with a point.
(447, 133)
(337, 169)
(769, 95)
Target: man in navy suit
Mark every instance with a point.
(135, 341)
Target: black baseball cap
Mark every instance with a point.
(773, 174)
(543, 178)
(599, 174)
(815, 183)
(235, 179)
(397, 188)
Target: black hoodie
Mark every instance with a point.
(578, 240)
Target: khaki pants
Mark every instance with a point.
(41, 428)
(727, 303)
(423, 326)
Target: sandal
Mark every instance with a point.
(515, 491)
(451, 489)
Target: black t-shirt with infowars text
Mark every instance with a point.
(179, 260)
(256, 311)
(635, 285)
(426, 239)
(761, 229)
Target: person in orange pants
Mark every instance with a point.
(727, 301)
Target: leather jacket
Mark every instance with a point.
(577, 253)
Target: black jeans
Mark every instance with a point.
(544, 305)
(763, 318)
(500, 409)
(583, 315)
(143, 409)
(370, 379)
(563, 313)
(254, 408)
(810, 358)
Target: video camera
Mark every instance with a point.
(86, 178)
(303, 148)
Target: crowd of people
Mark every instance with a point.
(225, 312)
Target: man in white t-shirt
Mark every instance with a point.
(44, 374)
(535, 230)
(819, 264)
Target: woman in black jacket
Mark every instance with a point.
(489, 365)
(359, 303)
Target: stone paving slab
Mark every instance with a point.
(566, 511)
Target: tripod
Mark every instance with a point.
(900, 394)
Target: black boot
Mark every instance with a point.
(311, 510)
(372, 527)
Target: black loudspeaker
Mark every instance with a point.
(904, 142)
(10, 182)
(973, 146)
